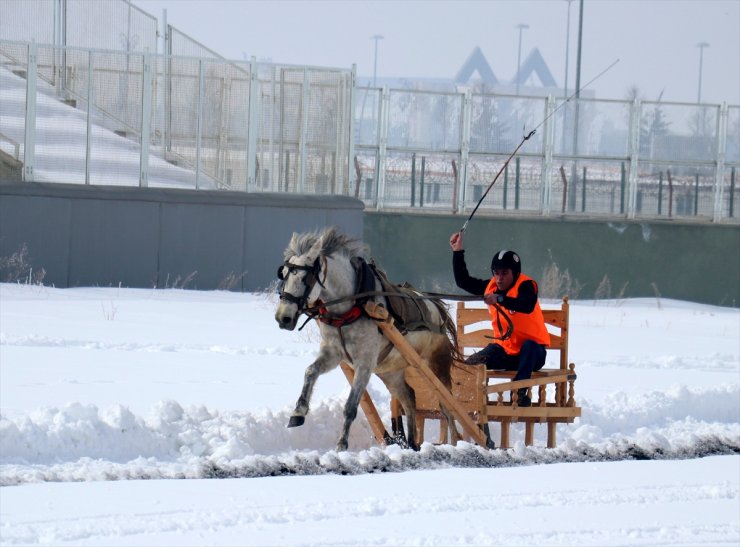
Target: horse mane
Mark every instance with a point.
(300, 244)
(332, 242)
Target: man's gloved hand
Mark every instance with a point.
(475, 359)
(481, 356)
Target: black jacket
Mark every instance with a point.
(523, 303)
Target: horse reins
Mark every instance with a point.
(320, 310)
(422, 295)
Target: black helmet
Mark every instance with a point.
(507, 259)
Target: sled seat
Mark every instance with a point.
(490, 395)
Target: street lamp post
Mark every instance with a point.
(701, 46)
(578, 55)
(521, 27)
(572, 196)
(361, 125)
(565, 80)
(567, 50)
(375, 37)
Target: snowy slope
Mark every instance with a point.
(61, 142)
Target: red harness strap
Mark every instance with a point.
(347, 318)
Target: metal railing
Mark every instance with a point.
(158, 120)
(427, 151)
(101, 106)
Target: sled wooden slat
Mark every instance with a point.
(548, 377)
(507, 411)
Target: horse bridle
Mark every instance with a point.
(312, 277)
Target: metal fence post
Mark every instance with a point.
(413, 178)
(61, 83)
(505, 198)
(719, 171)
(732, 192)
(517, 180)
(634, 147)
(57, 57)
(301, 160)
(252, 124)
(146, 118)
(382, 144)
(548, 141)
(467, 114)
(199, 123)
(583, 191)
(29, 144)
(167, 69)
(351, 128)
(90, 100)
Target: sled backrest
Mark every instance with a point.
(474, 330)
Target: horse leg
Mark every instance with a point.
(442, 363)
(362, 377)
(321, 365)
(396, 384)
(454, 433)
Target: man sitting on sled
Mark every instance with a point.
(516, 296)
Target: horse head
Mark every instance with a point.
(299, 277)
(304, 274)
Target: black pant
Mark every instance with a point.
(531, 357)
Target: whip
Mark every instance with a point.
(528, 136)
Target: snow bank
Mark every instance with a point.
(82, 442)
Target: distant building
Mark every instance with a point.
(534, 78)
(476, 63)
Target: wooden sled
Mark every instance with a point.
(478, 395)
(490, 395)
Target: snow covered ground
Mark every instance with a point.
(98, 385)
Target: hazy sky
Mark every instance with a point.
(655, 40)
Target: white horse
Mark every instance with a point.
(323, 267)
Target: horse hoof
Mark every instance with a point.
(295, 421)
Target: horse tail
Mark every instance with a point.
(449, 328)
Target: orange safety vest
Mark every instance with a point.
(527, 326)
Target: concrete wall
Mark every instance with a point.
(696, 262)
(144, 237)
